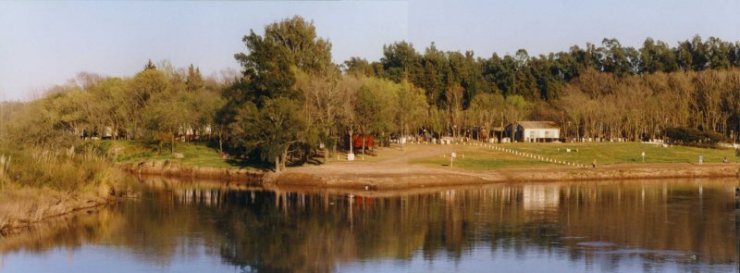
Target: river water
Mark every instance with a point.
(207, 226)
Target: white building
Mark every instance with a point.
(540, 197)
(533, 131)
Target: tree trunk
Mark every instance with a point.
(220, 143)
(334, 151)
(284, 160)
(136, 131)
(326, 154)
(277, 164)
(326, 148)
(306, 153)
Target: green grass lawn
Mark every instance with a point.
(478, 158)
(481, 158)
(620, 153)
(194, 154)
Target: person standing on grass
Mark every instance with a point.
(594, 164)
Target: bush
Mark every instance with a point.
(692, 136)
(59, 170)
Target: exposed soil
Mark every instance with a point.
(27, 208)
(170, 169)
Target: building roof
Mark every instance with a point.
(538, 124)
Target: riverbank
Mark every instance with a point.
(23, 208)
(416, 166)
(175, 169)
(41, 184)
(428, 165)
(357, 177)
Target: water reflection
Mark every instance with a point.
(687, 226)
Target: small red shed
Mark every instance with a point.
(358, 139)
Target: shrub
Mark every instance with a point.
(685, 135)
(59, 170)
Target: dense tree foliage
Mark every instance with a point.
(291, 103)
(154, 106)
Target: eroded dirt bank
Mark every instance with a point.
(172, 169)
(383, 179)
(22, 209)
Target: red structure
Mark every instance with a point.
(358, 139)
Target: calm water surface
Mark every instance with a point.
(199, 226)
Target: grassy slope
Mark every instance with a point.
(479, 158)
(620, 153)
(39, 184)
(194, 154)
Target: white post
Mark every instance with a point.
(351, 154)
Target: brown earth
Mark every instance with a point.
(170, 169)
(23, 208)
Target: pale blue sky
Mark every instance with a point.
(46, 43)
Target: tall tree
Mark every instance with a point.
(616, 59)
(433, 78)
(401, 62)
(718, 53)
(486, 110)
(357, 66)
(271, 130)
(146, 84)
(194, 79)
(321, 108)
(290, 42)
(288, 49)
(412, 107)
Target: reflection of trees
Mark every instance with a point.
(655, 216)
(262, 233)
(158, 227)
(274, 231)
(666, 217)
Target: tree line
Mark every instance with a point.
(155, 105)
(540, 77)
(291, 103)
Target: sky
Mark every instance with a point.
(48, 43)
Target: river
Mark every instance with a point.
(211, 226)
